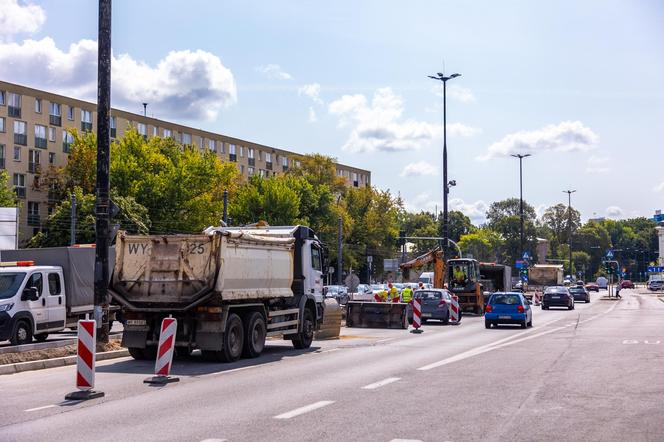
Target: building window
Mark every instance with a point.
(242, 169)
(250, 171)
(261, 173)
(212, 145)
(40, 136)
(155, 131)
(355, 183)
(51, 134)
(200, 142)
(252, 159)
(19, 185)
(51, 158)
(284, 163)
(17, 153)
(14, 109)
(112, 122)
(231, 152)
(2, 98)
(167, 133)
(33, 213)
(33, 161)
(21, 133)
(140, 127)
(55, 117)
(86, 121)
(38, 105)
(2, 124)
(186, 138)
(70, 113)
(268, 161)
(67, 140)
(2, 156)
(241, 151)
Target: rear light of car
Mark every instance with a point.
(488, 309)
(441, 303)
(520, 309)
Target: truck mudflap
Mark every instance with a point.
(376, 314)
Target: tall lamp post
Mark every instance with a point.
(446, 184)
(521, 157)
(569, 225)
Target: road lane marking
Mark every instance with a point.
(385, 340)
(303, 410)
(40, 408)
(232, 370)
(380, 383)
(405, 440)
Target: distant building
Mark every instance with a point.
(34, 135)
(597, 220)
(658, 217)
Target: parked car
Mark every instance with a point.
(508, 308)
(363, 292)
(602, 282)
(557, 296)
(656, 284)
(580, 293)
(435, 304)
(626, 284)
(518, 285)
(592, 287)
(338, 292)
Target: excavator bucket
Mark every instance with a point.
(376, 314)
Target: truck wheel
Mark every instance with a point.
(233, 339)
(254, 335)
(41, 337)
(22, 333)
(137, 353)
(306, 336)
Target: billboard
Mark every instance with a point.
(8, 228)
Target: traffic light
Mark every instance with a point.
(402, 238)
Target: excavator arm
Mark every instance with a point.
(435, 256)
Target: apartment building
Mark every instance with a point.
(34, 135)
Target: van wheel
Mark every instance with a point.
(41, 337)
(304, 338)
(233, 339)
(22, 333)
(254, 335)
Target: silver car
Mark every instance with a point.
(435, 304)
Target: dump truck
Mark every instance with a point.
(229, 289)
(494, 278)
(543, 275)
(44, 291)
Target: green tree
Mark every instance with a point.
(557, 219)
(503, 217)
(7, 195)
(266, 199)
(459, 225)
(319, 170)
(483, 244)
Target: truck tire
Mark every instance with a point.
(136, 353)
(304, 338)
(22, 333)
(255, 332)
(41, 337)
(233, 339)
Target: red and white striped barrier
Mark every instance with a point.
(162, 366)
(454, 310)
(417, 316)
(85, 362)
(537, 298)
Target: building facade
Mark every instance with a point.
(34, 136)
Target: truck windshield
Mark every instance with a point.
(9, 284)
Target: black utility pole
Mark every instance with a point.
(521, 157)
(339, 254)
(569, 225)
(103, 162)
(446, 185)
(145, 109)
(72, 227)
(226, 207)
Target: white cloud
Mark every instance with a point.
(312, 115)
(567, 136)
(422, 202)
(659, 187)
(475, 211)
(185, 84)
(379, 126)
(17, 18)
(597, 164)
(312, 91)
(420, 168)
(455, 92)
(274, 71)
(614, 212)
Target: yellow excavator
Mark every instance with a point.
(460, 275)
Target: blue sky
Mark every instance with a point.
(578, 84)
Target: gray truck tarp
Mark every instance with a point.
(78, 265)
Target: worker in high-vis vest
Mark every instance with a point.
(394, 293)
(406, 295)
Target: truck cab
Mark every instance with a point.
(32, 301)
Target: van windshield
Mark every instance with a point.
(9, 284)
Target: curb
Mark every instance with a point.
(56, 362)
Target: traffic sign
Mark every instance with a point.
(526, 255)
(524, 277)
(655, 269)
(609, 254)
(369, 259)
(520, 264)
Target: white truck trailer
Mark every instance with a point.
(44, 291)
(229, 289)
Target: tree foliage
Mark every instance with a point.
(7, 195)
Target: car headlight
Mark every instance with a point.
(6, 307)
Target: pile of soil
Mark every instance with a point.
(51, 353)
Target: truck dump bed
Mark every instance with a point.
(179, 271)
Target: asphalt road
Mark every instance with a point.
(594, 373)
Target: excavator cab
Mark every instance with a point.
(462, 278)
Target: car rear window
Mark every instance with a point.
(428, 295)
(577, 290)
(556, 290)
(505, 299)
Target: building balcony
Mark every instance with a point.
(66, 147)
(114, 132)
(40, 143)
(20, 192)
(284, 168)
(34, 219)
(21, 139)
(14, 112)
(268, 166)
(34, 167)
(55, 120)
(86, 127)
(232, 157)
(252, 162)
(2, 163)
(53, 197)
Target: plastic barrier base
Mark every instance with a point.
(161, 380)
(84, 395)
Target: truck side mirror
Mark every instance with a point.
(30, 294)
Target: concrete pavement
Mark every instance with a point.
(586, 374)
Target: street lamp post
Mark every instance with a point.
(446, 184)
(569, 225)
(521, 157)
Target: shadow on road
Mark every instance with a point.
(194, 365)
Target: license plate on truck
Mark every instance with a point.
(136, 322)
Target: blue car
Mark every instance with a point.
(508, 308)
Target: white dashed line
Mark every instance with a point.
(303, 410)
(40, 408)
(380, 383)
